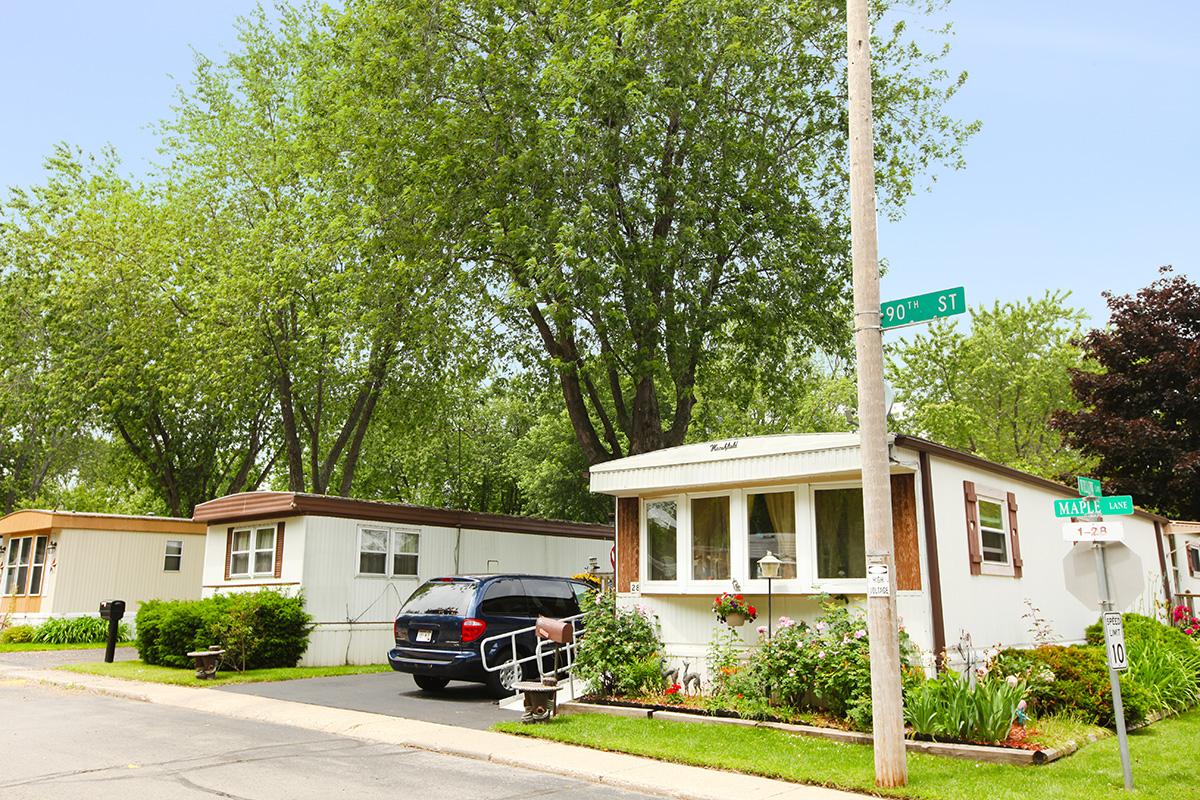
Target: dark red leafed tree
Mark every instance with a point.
(1141, 413)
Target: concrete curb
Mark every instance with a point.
(618, 770)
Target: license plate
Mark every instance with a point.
(424, 636)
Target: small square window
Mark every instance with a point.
(993, 538)
(173, 558)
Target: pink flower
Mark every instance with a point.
(786, 622)
(762, 630)
(1179, 612)
(860, 633)
(821, 654)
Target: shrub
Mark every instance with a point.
(17, 634)
(1072, 681)
(258, 630)
(620, 651)
(1163, 661)
(76, 630)
(949, 708)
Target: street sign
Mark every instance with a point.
(922, 308)
(1101, 506)
(1114, 641)
(1106, 531)
(1126, 574)
(1088, 487)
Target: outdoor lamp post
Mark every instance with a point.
(768, 567)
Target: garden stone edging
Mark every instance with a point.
(973, 752)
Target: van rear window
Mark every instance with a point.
(451, 599)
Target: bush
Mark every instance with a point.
(620, 650)
(949, 708)
(76, 630)
(1072, 681)
(258, 630)
(1163, 661)
(17, 634)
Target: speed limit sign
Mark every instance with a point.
(1114, 641)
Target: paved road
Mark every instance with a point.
(466, 705)
(48, 659)
(64, 745)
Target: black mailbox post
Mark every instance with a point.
(112, 610)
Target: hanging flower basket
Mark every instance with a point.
(733, 610)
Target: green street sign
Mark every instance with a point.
(1088, 487)
(922, 308)
(1103, 506)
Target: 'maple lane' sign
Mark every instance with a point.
(1103, 506)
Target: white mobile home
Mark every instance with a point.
(357, 561)
(973, 540)
(62, 563)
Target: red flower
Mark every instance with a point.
(739, 597)
(672, 689)
(753, 611)
(1179, 612)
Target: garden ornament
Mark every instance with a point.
(690, 680)
(670, 674)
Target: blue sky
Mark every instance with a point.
(1083, 176)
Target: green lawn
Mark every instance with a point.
(21, 647)
(1164, 759)
(137, 671)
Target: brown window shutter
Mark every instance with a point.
(628, 541)
(279, 548)
(973, 545)
(1014, 535)
(904, 532)
(228, 552)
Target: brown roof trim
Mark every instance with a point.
(31, 520)
(249, 506)
(950, 454)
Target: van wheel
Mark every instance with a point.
(429, 683)
(502, 683)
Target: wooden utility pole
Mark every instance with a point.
(887, 712)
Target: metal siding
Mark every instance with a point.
(101, 565)
(990, 607)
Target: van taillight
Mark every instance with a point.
(472, 629)
(401, 632)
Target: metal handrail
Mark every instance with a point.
(538, 652)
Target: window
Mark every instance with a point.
(841, 534)
(24, 565)
(710, 538)
(506, 598)
(379, 548)
(173, 559)
(252, 547)
(662, 528)
(771, 526)
(993, 540)
(1193, 556)
(552, 599)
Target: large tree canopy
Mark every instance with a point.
(1141, 413)
(640, 186)
(993, 390)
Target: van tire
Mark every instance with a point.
(499, 683)
(430, 683)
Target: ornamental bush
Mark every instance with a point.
(1072, 680)
(258, 630)
(16, 634)
(948, 707)
(1163, 660)
(76, 630)
(620, 650)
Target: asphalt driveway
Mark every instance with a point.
(466, 705)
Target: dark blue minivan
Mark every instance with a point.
(440, 628)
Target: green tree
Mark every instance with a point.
(639, 186)
(993, 391)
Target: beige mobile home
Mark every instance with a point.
(357, 561)
(62, 563)
(1183, 541)
(974, 541)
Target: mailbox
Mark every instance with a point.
(112, 609)
(555, 630)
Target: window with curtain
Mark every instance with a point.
(841, 534)
(771, 527)
(662, 528)
(993, 539)
(710, 538)
(252, 553)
